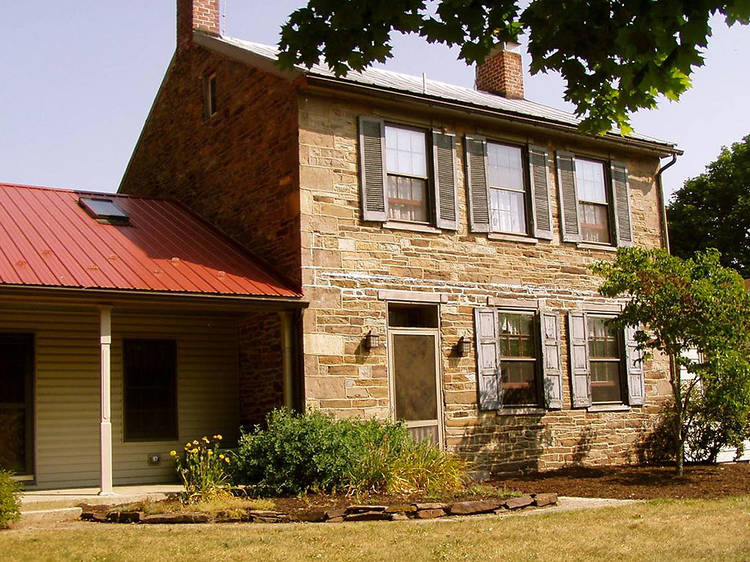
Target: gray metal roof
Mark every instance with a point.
(398, 82)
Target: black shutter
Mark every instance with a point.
(621, 198)
(372, 168)
(476, 182)
(566, 179)
(540, 204)
(444, 159)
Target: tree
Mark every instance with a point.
(713, 210)
(678, 305)
(616, 56)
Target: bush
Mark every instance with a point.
(10, 499)
(313, 452)
(204, 469)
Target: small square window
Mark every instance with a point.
(104, 210)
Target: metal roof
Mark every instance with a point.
(47, 239)
(425, 87)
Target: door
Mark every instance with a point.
(416, 394)
(16, 403)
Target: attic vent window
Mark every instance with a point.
(104, 210)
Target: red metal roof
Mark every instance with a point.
(47, 239)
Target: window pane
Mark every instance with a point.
(590, 181)
(414, 377)
(508, 211)
(602, 339)
(516, 335)
(150, 389)
(407, 199)
(412, 316)
(405, 151)
(519, 383)
(594, 222)
(505, 166)
(605, 381)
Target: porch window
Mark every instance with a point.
(605, 359)
(593, 201)
(507, 189)
(518, 359)
(406, 166)
(150, 390)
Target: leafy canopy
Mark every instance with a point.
(616, 56)
(713, 210)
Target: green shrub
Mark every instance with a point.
(10, 499)
(204, 469)
(299, 453)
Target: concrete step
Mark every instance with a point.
(50, 515)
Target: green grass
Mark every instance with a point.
(656, 530)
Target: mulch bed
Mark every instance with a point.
(632, 482)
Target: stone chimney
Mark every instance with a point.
(502, 72)
(196, 15)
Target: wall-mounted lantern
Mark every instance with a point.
(462, 346)
(372, 340)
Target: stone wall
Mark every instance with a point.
(237, 169)
(346, 262)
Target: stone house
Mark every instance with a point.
(441, 235)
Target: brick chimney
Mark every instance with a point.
(198, 15)
(502, 72)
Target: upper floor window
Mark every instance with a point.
(406, 168)
(593, 201)
(507, 189)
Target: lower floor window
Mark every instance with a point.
(605, 358)
(150, 389)
(518, 359)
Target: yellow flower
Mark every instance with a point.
(218, 437)
(195, 442)
(187, 446)
(194, 451)
(172, 453)
(221, 456)
(227, 460)
(205, 439)
(210, 452)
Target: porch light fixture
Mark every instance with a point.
(462, 346)
(372, 340)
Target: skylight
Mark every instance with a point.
(104, 210)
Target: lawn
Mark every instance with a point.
(655, 530)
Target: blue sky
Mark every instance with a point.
(78, 79)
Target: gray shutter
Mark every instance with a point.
(621, 198)
(444, 158)
(372, 168)
(540, 204)
(488, 358)
(551, 369)
(634, 369)
(476, 182)
(579, 359)
(566, 180)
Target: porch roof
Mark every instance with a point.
(47, 239)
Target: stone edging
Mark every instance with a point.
(397, 512)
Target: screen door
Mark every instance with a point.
(416, 396)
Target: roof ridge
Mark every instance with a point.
(82, 191)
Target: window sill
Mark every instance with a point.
(394, 225)
(521, 411)
(609, 408)
(601, 247)
(511, 238)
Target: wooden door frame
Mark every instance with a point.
(435, 334)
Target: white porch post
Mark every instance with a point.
(287, 350)
(105, 425)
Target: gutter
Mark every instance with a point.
(662, 202)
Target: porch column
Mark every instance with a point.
(287, 356)
(105, 425)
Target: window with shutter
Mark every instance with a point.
(507, 189)
(406, 165)
(372, 168)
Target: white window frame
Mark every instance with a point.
(526, 190)
(429, 183)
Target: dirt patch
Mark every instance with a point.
(629, 482)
